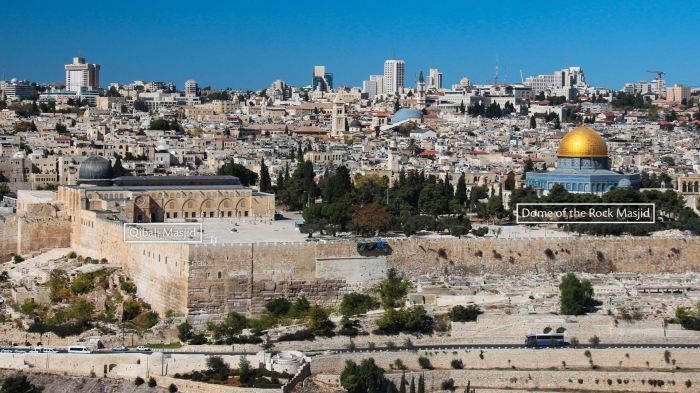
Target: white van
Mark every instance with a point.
(79, 349)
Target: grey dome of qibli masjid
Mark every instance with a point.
(95, 168)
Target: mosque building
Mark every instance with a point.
(161, 198)
(582, 166)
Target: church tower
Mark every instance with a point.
(420, 92)
(339, 116)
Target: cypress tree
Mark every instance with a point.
(117, 168)
(449, 190)
(461, 190)
(402, 384)
(412, 389)
(265, 181)
(421, 384)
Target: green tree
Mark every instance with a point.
(118, 169)
(278, 307)
(81, 284)
(366, 377)
(184, 331)
(300, 307)
(393, 289)
(245, 372)
(575, 295)
(461, 190)
(80, 310)
(19, 384)
(265, 181)
(432, 200)
(245, 175)
(131, 309)
(460, 313)
(217, 366)
(317, 322)
(230, 327)
(337, 185)
(4, 189)
(355, 303)
(533, 122)
(413, 320)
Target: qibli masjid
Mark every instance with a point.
(582, 167)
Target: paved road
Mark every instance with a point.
(415, 347)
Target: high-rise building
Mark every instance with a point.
(641, 87)
(394, 76)
(658, 86)
(370, 88)
(435, 79)
(379, 80)
(678, 93)
(571, 77)
(191, 88)
(15, 90)
(321, 80)
(81, 75)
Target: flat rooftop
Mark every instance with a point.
(234, 231)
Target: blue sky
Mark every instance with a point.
(249, 44)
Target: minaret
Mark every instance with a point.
(394, 157)
(339, 116)
(420, 92)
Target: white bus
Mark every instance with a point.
(79, 349)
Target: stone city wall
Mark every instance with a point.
(242, 277)
(547, 380)
(8, 236)
(128, 366)
(206, 281)
(648, 359)
(418, 256)
(491, 328)
(543, 369)
(159, 271)
(37, 234)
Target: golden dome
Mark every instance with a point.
(582, 142)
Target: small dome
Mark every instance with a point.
(624, 183)
(406, 114)
(582, 142)
(95, 168)
(162, 148)
(19, 154)
(355, 123)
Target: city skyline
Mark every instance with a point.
(209, 45)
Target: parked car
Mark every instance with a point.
(143, 348)
(121, 348)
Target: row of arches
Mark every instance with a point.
(690, 186)
(207, 208)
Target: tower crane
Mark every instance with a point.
(659, 74)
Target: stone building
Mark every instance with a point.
(582, 166)
(689, 184)
(162, 198)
